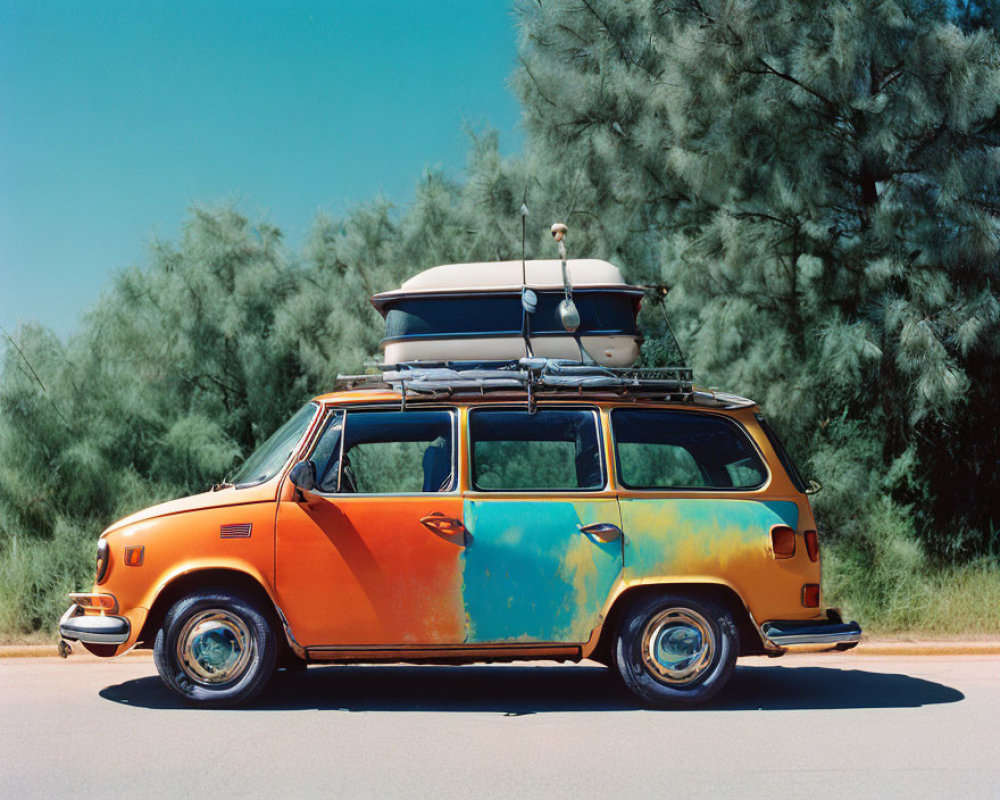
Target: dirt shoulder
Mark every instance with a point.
(34, 650)
(888, 646)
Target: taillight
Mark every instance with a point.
(102, 561)
(782, 541)
(810, 595)
(812, 545)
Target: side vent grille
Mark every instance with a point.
(236, 530)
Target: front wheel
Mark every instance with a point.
(675, 651)
(216, 649)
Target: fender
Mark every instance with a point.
(605, 628)
(214, 564)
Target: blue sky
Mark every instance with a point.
(116, 117)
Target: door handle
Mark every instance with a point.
(448, 528)
(603, 532)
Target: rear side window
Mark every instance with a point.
(550, 450)
(677, 450)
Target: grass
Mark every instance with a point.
(38, 637)
(35, 577)
(928, 602)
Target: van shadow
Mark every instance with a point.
(520, 690)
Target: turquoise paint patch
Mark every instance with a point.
(530, 575)
(663, 531)
(788, 512)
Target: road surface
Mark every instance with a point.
(803, 726)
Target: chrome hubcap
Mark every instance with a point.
(214, 647)
(678, 646)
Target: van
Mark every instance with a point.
(460, 513)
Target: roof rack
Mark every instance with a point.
(537, 376)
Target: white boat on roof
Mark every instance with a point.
(474, 312)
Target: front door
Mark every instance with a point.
(374, 556)
(544, 546)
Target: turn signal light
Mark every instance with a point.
(810, 595)
(782, 541)
(97, 602)
(812, 545)
(134, 555)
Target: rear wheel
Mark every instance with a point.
(215, 649)
(676, 651)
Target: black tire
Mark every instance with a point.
(674, 651)
(216, 649)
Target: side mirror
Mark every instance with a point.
(303, 475)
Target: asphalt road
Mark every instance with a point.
(807, 726)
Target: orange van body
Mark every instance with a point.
(387, 576)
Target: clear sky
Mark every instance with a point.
(116, 117)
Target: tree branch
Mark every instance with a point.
(538, 88)
(769, 70)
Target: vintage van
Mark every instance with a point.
(464, 513)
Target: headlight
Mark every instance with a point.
(102, 560)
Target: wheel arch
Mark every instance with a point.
(208, 578)
(751, 642)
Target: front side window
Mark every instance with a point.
(549, 450)
(660, 449)
(386, 452)
(271, 456)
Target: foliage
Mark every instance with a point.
(823, 184)
(812, 191)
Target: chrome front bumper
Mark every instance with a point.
(832, 632)
(94, 630)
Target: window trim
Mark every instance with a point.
(686, 489)
(784, 457)
(599, 431)
(329, 412)
(452, 412)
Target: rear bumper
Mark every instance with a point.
(831, 632)
(93, 629)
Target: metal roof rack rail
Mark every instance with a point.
(537, 377)
(536, 373)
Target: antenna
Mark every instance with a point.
(524, 228)
(529, 300)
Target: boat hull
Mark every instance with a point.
(493, 325)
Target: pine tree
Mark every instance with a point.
(823, 185)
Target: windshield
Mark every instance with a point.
(272, 455)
